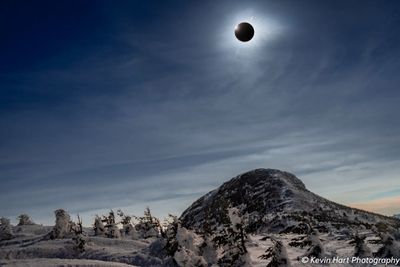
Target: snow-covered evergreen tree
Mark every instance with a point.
(187, 253)
(98, 227)
(24, 220)
(360, 247)
(316, 248)
(278, 255)
(208, 248)
(79, 237)
(5, 229)
(390, 248)
(112, 230)
(182, 245)
(127, 228)
(232, 238)
(171, 228)
(63, 225)
(148, 226)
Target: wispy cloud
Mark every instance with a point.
(162, 115)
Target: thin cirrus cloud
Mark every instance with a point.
(124, 118)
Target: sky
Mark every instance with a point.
(127, 104)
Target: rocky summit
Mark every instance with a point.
(277, 201)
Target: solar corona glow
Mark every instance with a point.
(244, 32)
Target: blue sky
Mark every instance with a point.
(131, 104)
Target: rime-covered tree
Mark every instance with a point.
(316, 248)
(148, 226)
(171, 225)
(79, 237)
(187, 253)
(232, 238)
(278, 255)
(181, 245)
(360, 247)
(112, 230)
(208, 248)
(24, 220)
(127, 228)
(98, 227)
(63, 225)
(5, 229)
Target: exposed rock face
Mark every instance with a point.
(276, 201)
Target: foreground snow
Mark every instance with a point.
(60, 262)
(28, 249)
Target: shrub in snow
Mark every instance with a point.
(390, 248)
(24, 220)
(361, 249)
(232, 238)
(63, 225)
(98, 227)
(278, 255)
(5, 229)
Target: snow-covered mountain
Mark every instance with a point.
(263, 217)
(277, 201)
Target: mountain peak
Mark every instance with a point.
(264, 197)
(257, 192)
(261, 175)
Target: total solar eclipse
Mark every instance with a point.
(244, 32)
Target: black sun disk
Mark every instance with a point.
(244, 31)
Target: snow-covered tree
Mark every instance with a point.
(127, 228)
(182, 245)
(232, 238)
(24, 220)
(278, 255)
(98, 227)
(79, 237)
(148, 226)
(316, 248)
(112, 230)
(390, 248)
(171, 225)
(361, 249)
(208, 248)
(5, 229)
(63, 225)
(187, 253)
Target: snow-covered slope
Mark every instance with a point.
(276, 201)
